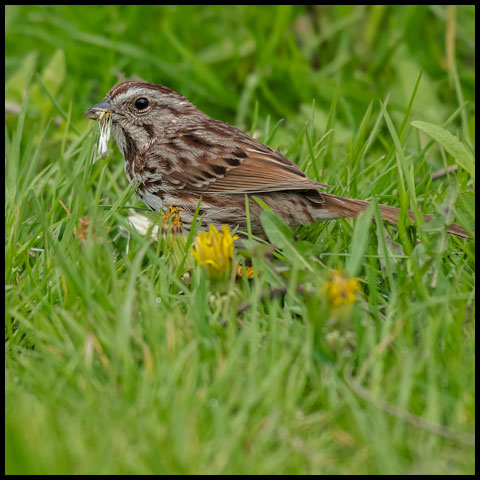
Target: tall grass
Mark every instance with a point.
(122, 358)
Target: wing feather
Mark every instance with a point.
(222, 159)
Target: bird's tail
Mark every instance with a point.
(341, 207)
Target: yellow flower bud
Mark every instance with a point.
(213, 251)
(340, 290)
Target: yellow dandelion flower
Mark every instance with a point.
(340, 290)
(249, 271)
(213, 251)
(171, 216)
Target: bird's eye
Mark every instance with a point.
(141, 103)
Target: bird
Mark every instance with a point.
(180, 157)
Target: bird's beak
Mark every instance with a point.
(104, 106)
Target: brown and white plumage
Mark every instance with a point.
(179, 154)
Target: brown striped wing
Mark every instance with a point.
(221, 159)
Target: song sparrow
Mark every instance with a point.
(178, 154)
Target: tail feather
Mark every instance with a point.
(341, 207)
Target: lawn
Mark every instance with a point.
(125, 356)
